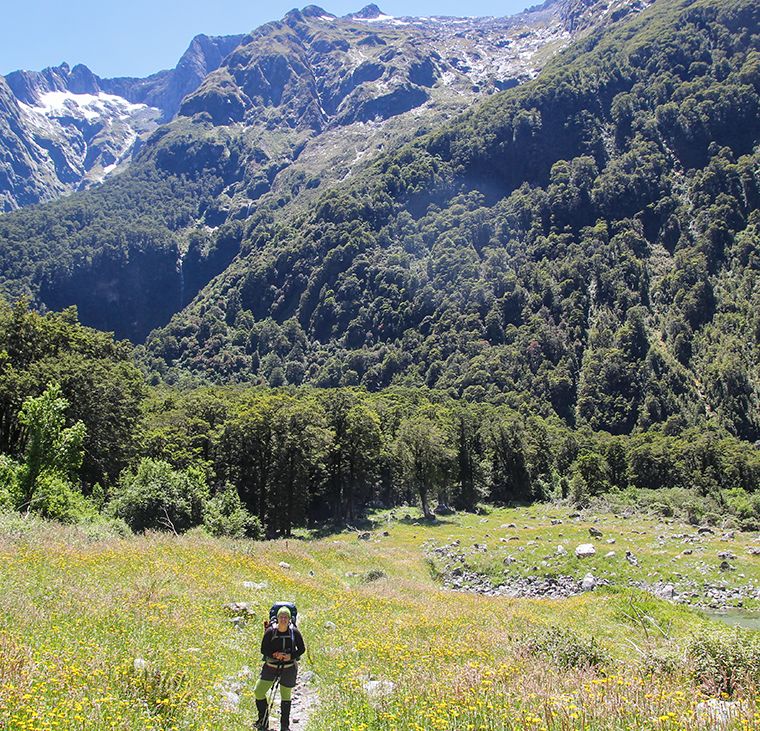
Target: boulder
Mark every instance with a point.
(561, 551)
(595, 532)
(378, 688)
(719, 714)
(239, 608)
(610, 554)
(588, 583)
(237, 622)
(364, 536)
(284, 565)
(140, 665)
(631, 558)
(230, 700)
(584, 550)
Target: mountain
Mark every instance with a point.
(62, 129)
(73, 128)
(297, 105)
(355, 201)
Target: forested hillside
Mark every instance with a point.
(586, 243)
(267, 122)
(583, 245)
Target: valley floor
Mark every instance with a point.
(103, 632)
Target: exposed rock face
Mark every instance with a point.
(65, 128)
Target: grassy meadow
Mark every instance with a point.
(103, 632)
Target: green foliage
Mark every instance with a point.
(225, 515)
(52, 455)
(8, 482)
(425, 459)
(564, 647)
(103, 388)
(523, 256)
(59, 499)
(723, 662)
(156, 496)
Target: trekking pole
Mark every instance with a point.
(273, 691)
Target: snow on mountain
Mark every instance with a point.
(88, 106)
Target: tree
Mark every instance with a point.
(425, 458)
(510, 479)
(52, 450)
(470, 476)
(300, 444)
(354, 455)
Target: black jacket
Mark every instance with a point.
(290, 641)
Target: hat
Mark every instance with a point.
(283, 610)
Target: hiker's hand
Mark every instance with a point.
(284, 656)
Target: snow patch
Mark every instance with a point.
(89, 106)
(383, 19)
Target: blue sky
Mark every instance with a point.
(138, 37)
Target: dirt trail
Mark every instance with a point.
(304, 703)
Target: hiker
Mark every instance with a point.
(281, 647)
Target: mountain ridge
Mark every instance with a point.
(72, 128)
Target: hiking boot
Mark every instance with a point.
(285, 716)
(262, 723)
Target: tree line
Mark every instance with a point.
(84, 436)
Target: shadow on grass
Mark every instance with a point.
(371, 525)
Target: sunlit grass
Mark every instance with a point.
(77, 610)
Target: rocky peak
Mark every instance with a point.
(28, 86)
(82, 81)
(368, 12)
(314, 11)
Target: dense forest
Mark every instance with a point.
(84, 438)
(586, 243)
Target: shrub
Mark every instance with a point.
(56, 498)
(725, 662)
(661, 662)
(103, 529)
(565, 648)
(158, 497)
(225, 515)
